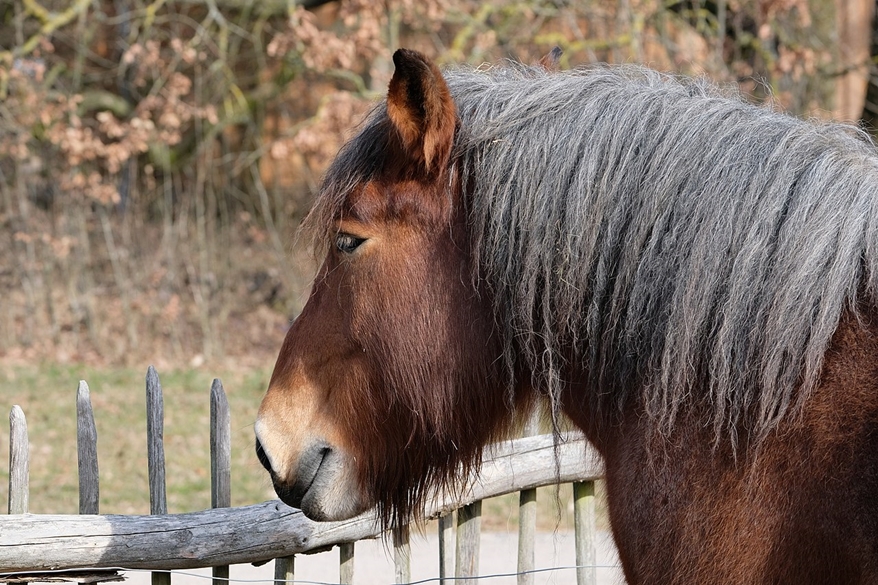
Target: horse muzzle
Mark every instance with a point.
(322, 485)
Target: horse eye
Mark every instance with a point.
(346, 243)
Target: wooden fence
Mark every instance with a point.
(220, 536)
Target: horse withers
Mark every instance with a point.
(689, 278)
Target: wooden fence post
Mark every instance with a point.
(527, 532)
(527, 519)
(469, 524)
(220, 461)
(155, 450)
(18, 462)
(87, 452)
(346, 563)
(446, 548)
(584, 530)
(402, 559)
(285, 570)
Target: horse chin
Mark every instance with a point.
(325, 489)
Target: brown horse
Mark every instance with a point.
(689, 278)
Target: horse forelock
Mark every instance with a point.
(360, 160)
(375, 155)
(663, 240)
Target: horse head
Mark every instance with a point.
(378, 393)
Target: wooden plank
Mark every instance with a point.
(527, 530)
(446, 548)
(155, 446)
(87, 452)
(527, 518)
(203, 539)
(155, 455)
(402, 559)
(469, 528)
(19, 465)
(285, 570)
(220, 447)
(346, 563)
(584, 530)
(220, 461)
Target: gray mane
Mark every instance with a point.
(659, 237)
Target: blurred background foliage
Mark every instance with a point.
(156, 157)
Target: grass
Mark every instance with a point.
(48, 397)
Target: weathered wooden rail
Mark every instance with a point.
(223, 535)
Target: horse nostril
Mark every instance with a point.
(263, 458)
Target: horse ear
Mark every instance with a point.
(550, 60)
(421, 109)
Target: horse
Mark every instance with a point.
(687, 277)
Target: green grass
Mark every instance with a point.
(48, 397)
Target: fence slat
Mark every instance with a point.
(402, 559)
(155, 453)
(527, 529)
(527, 518)
(285, 570)
(469, 524)
(18, 462)
(584, 530)
(220, 460)
(220, 447)
(446, 548)
(155, 447)
(346, 563)
(87, 452)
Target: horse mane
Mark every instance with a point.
(660, 238)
